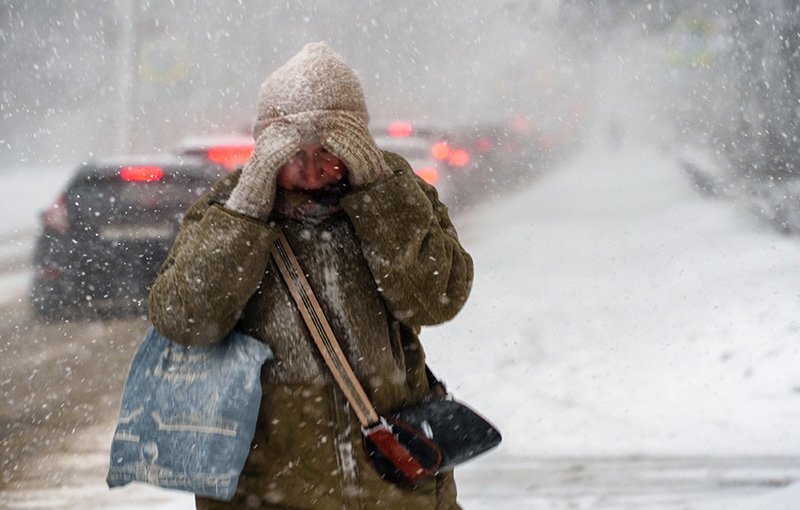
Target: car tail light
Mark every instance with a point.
(521, 126)
(547, 140)
(458, 158)
(440, 151)
(141, 173)
(400, 129)
(49, 273)
(483, 145)
(230, 157)
(428, 174)
(55, 217)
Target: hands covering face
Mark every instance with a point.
(311, 168)
(254, 194)
(278, 158)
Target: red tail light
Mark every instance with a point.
(428, 174)
(230, 157)
(49, 273)
(55, 218)
(400, 129)
(440, 151)
(141, 173)
(521, 126)
(483, 145)
(458, 158)
(547, 140)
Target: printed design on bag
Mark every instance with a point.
(124, 435)
(163, 476)
(195, 423)
(181, 366)
(127, 418)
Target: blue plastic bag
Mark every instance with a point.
(188, 414)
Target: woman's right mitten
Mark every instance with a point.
(254, 194)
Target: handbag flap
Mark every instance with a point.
(459, 431)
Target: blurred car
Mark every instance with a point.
(415, 146)
(105, 236)
(227, 151)
(488, 159)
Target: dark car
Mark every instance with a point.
(105, 236)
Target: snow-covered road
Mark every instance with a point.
(74, 479)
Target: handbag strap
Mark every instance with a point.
(322, 333)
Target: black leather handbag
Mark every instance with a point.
(412, 443)
(428, 438)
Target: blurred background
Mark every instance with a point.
(626, 173)
(141, 75)
(83, 79)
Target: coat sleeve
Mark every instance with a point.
(215, 265)
(411, 246)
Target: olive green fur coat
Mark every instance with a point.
(384, 265)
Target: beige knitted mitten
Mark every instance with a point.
(346, 136)
(254, 194)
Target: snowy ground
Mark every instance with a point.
(24, 195)
(617, 312)
(616, 317)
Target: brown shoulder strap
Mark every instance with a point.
(321, 331)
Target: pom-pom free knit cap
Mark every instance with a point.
(319, 94)
(317, 80)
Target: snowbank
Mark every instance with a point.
(783, 499)
(615, 311)
(25, 193)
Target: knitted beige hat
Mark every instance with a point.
(316, 79)
(318, 93)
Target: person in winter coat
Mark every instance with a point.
(381, 256)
